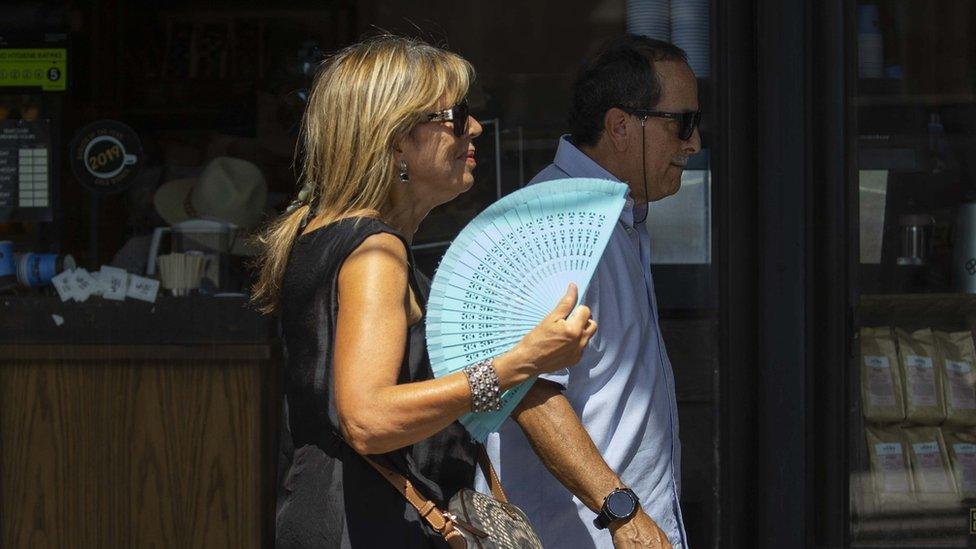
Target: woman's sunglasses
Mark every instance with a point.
(687, 121)
(457, 114)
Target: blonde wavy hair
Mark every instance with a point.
(363, 101)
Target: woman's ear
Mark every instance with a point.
(401, 144)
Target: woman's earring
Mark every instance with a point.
(404, 176)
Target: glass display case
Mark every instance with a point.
(912, 429)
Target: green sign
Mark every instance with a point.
(45, 68)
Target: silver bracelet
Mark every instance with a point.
(485, 389)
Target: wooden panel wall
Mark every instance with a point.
(109, 452)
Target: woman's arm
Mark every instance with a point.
(375, 414)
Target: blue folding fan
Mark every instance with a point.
(506, 271)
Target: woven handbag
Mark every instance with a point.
(472, 520)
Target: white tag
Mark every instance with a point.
(881, 387)
(916, 361)
(887, 448)
(893, 470)
(926, 447)
(114, 282)
(84, 284)
(96, 276)
(964, 448)
(64, 285)
(958, 367)
(143, 289)
(877, 361)
(966, 470)
(931, 475)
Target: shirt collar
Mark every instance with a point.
(576, 163)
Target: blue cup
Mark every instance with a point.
(867, 19)
(36, 270)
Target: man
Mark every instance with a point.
(607, 429)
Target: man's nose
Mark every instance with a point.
(693, 144)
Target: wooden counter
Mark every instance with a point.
(136, 443)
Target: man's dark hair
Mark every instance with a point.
(622, 73)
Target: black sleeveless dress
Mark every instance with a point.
(329, 497)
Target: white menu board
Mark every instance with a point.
(25, 165)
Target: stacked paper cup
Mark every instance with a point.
(650, 18)
(181, 273)
(870, 46)
(689, 31)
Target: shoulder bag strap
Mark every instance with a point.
(427, 508)
(490, 476)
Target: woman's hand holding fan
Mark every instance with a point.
(557, 342)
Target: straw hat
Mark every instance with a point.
(229, 189)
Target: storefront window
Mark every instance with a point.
(139, 386)
(913, 457)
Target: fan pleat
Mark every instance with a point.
(517, 293)
(506, 271)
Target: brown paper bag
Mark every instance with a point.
(961, 446)
(957, 356)
(890, 465)
(881, 387)
(922, 375)
(930, 464)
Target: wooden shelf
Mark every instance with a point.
(136, 353)
(903, 100)
(922, 306)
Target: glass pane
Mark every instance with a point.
(209, 92)
(913, 457)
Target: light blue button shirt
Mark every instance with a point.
(622, 389)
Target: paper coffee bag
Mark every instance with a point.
(930, 464)
(961, 446)
(881, 387)
(957, 357)
(890, 465)
(922, 376)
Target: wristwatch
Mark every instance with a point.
(621, 504)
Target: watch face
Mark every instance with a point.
(621, 504)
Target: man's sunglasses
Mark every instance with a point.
(687, 121)
(457, 114)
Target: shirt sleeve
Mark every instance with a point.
(560, 377)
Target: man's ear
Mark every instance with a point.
(616, 128)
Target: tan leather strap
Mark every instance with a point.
(427, 508)
(490, 476)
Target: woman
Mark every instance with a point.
(387, 138)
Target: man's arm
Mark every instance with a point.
(559, 439)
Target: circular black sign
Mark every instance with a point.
(106, 156)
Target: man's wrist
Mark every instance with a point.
(598, 495)
(621, 504)
(618, 524)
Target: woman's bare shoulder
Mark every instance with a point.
(378, 263)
